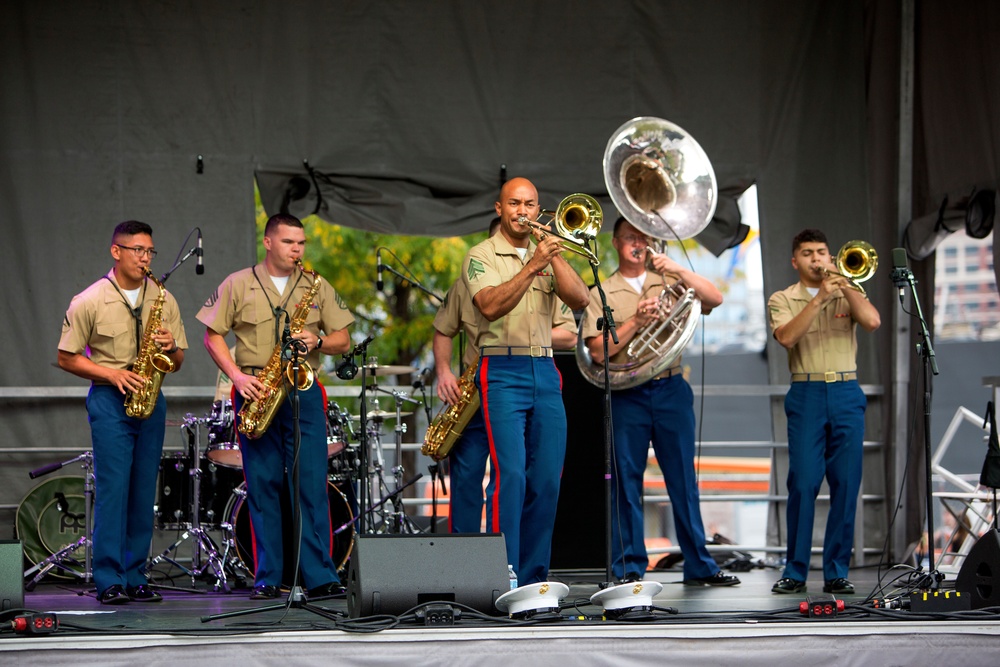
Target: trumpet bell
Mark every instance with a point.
(857, 260)
(660, 179)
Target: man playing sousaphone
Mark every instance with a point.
(659, 410)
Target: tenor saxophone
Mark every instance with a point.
(256, 415)
(449, 423)
(150, 362)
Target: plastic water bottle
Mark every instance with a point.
(512, 575)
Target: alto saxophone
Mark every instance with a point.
(449, 423)
(256, 416)
(150, 363)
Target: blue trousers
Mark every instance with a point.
(526, 429)
(659, 411)
(267, 464)
(826, 430)
(466, 468)
(126, 462)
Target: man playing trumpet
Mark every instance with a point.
(816, 321)
(514, 284)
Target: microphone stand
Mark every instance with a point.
(410, 279)
(606, 324)
(180, 260)
(928, 366)
(433, 468)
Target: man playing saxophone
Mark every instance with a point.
(256, 305)
(111, 319)
(658, 410)
(467, 460)
(514, 284)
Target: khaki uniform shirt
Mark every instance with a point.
(100, 319)
(623, 300)
(458, 313)
(494, 262)
(830, 344)
(240, 305)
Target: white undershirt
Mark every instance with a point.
(279, 282)
(522, 252)
(813, 291)
(132, 295)
(637, 282)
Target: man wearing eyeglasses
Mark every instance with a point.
(659, 410)
(101, 337)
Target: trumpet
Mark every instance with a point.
(577, 220)
(856, 261)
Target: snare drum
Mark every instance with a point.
(338, 428)
(223, 445)
(50, 517)
(340, 517)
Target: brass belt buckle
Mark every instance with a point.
(535, 350)
(830, 376)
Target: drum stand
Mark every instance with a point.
(60, 558)
(203, 543)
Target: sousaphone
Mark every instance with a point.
(662, 182)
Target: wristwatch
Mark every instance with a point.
(319, 342)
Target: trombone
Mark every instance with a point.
(856, 261)
(577, 220)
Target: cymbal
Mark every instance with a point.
(381, 371)
(381, 414)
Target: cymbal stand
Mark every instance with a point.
(60, 558)
(400, 522)
(203, 544)
(375, 475)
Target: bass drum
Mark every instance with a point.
(50, 517)
(341, 519)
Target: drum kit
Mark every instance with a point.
(199, 491)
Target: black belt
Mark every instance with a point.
(251, 370)
(829, 376)
(669, 373)
(517, 351)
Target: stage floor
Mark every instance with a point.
(746, 624)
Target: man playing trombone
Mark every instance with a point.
(816, 321)
(514, 284)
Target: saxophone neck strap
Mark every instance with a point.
(136, 311)
(278, 310)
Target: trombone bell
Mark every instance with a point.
(577, 220)
(856, 261)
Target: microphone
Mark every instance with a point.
(900, 272)
(199, 267)
(378, 262)
(347, 369)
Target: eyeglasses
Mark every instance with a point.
(139, 251)
(633, 238)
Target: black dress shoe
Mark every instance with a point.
(840, 586)
(143, 593)
(114, 594)
(717, 579)
(631, 578)
(788, 585)
(326, 590)
(264, 592)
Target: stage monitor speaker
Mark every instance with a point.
(11, 575)
(980, 573)
(390, 574)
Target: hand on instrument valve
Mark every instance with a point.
(165, 340)
(447, 386)
(248, 386)
(310, 339)
(646, 311)
(126, 380)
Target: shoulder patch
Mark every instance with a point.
(212, 299)
(340, 301)
(476, 268)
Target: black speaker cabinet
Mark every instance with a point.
(980, 573)
(11, 575)
(389, 574)
(578, 538)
